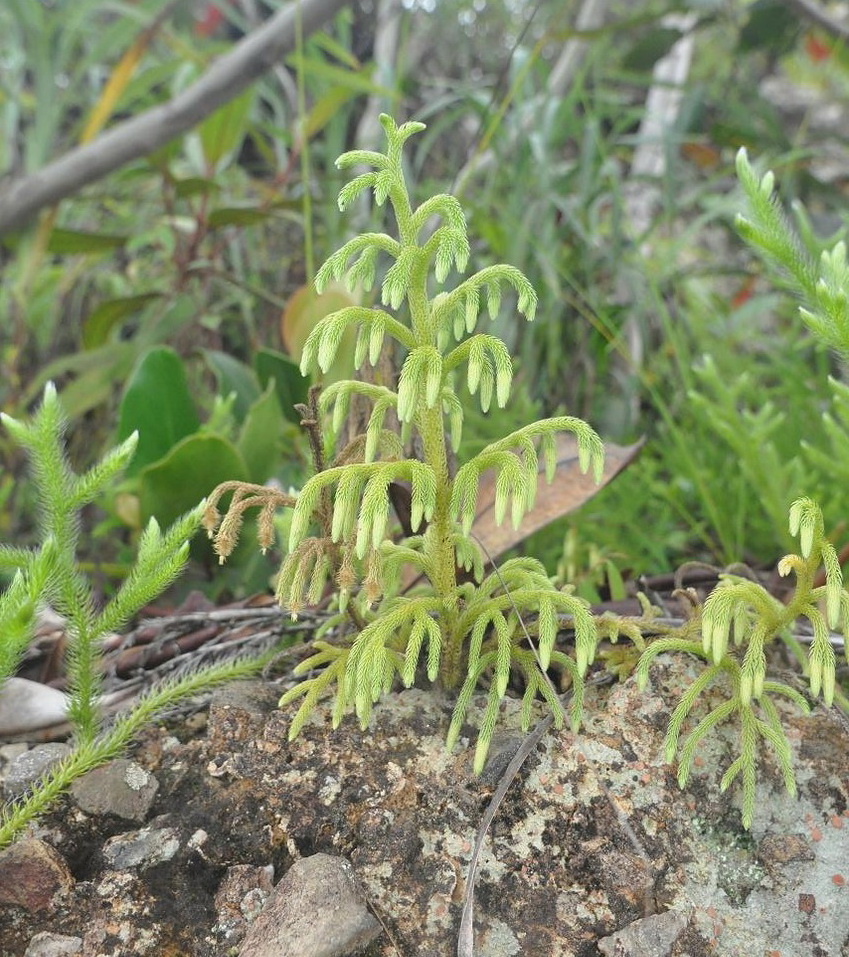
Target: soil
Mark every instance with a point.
(594, 838)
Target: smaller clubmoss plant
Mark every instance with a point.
(462, 627)
(740, 619)
(51, 575)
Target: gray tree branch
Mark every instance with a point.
(22, 197)
(815, 13)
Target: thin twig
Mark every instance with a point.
(466, 939)
(815, 13)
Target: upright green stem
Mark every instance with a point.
(439, 545)
(72, 595)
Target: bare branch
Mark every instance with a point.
(22, 197)
(814, 12)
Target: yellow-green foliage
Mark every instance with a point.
(51, 574)
(739, 620)
(341, 524)
(462, 631)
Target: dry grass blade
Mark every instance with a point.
(466, 939)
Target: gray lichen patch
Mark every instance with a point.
(593, 838)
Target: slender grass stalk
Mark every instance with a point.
(52, 575)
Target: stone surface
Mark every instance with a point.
(560, 872)
(120, 787)
(119, 919)
(143, 848)
(240, 898)
(653, 936)
(28, 767)
(317, 910)
(54, 945)
(9, 753)
(237, 711)
(28, 706)
(31, 874)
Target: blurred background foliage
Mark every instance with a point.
(592, 145)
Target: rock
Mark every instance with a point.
(119, 923)
(241, 897)
(121, 787)
(238, 710)
(594, 839)
(32, 874)
(9, 753)
(29, 706)
(317, 910)
(142, 848)
(652, 936)
(26, 769)
(560, 871)
(54, 945)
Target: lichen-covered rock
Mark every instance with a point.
(318, 909)
(54, 945)
(593, 838)
(120, 787)
(33, 764)
(241, 897)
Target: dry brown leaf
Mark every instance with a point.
(569, 489)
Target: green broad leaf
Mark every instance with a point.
(96, 372)
(327, 107)
(290, 385)
(76, 241)
(158, 404)
(234, 376)
(223, 132)
(195, 186)
(236, 216)
(100, 322)
(260, 440)
(190, 471)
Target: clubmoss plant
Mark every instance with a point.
(464, 626)
(740, 619)
(823, 290)
(51, 575)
